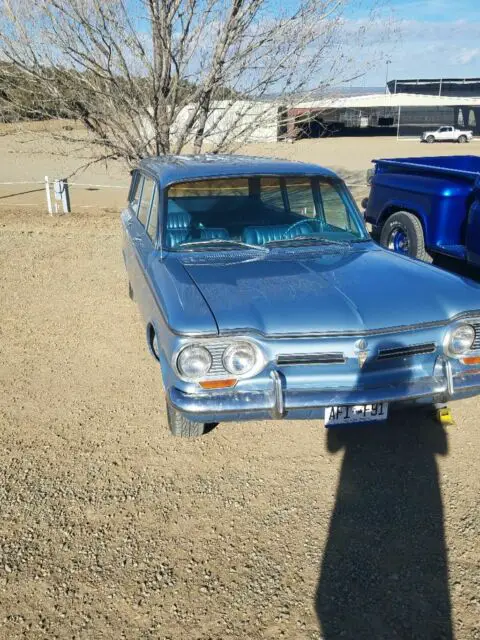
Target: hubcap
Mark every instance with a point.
(398, 241)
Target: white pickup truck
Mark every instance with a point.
(447, 134)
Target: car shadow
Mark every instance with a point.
(384, 572)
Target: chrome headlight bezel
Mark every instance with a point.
(236, 347)
(450, 336)
(217, 348)
(200, 349)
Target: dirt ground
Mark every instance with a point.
(112, 529)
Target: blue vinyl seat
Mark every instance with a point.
(179, 225)
(179, 228)
(261, 235)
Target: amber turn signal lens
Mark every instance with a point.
(471, 360)
(218, 384)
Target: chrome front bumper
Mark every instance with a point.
(280, 402)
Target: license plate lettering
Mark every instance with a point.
(348, 414)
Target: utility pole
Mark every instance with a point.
(387, 62)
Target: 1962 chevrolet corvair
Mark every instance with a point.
(264, 297)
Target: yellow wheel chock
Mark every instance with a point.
(444, 416)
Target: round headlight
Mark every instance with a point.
(461, 339)
(240, 358)
(194, 362)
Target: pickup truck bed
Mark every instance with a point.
(423, 206)
(465, 167)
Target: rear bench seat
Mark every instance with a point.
(179, 229)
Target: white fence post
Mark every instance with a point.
(49, 198)
(62, 195)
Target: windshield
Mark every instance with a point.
(260, 212)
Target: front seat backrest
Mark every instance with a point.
(262, 235)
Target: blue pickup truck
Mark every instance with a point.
(422, 207)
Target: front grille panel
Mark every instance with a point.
(476, 342)
(405, 352)
(217, 350)
(311, 358)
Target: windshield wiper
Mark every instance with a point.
(309, 240)
(215, 242)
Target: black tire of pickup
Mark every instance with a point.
(182, 427)
(462, 139)
(430, 139)
(412, 228)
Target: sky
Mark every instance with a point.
(436, 38)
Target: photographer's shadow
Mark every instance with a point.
(384, 573)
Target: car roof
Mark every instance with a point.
(171, 169)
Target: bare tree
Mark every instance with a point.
(149, 77)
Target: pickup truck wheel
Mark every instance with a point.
(462, 139)
(403, 233)
(182, 427)
(430, 139)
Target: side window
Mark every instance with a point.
(145, 201)
(300, 196)
(271, 193)
(334, 208)
(136, 191)
(153, 220)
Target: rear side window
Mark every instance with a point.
(153, 220)
(210, 188)
(145, 201)
(300, 196)
(271, 193)
(136, 191)
(334, 208)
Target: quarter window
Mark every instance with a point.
(145, 201)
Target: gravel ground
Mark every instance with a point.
(110, 528)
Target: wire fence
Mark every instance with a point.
(44, 186)
(10, 199)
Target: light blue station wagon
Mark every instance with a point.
(264, 297)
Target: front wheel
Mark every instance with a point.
(430, 139)
(403, 233)
(462, 139)
(182, 427)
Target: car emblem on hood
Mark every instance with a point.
(361, 347)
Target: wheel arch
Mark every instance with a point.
(151, 332)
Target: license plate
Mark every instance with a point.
(344, 415)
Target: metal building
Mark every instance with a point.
(457, 87)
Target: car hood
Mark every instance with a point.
(345, 291)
